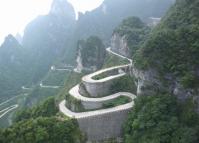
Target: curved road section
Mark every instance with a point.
(74, 92)
(7, 110)
(48, 86)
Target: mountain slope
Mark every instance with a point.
(46, 37)
(12, 67)
(173, 49)
(101, 21)
(129, 36)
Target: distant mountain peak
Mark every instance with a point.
(10, 41)
(62, 8)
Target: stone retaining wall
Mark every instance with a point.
(100, 89)
(103, 127)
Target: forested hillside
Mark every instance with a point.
(13, 68)
(40, 124)
(90, 54)
(52, 33)
(159, 66)
(52, 38)
(129, 36)
(173, 47)
(162, 119)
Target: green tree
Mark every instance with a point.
(46, 109)
(156, 119)
(42, 130)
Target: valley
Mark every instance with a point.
(124, 72)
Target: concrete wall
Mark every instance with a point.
(91, 105)
(100, 89)
(102, 127)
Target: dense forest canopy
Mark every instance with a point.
(92, 52)
(171, 49)
(42, 124)
(173, 46)
(161, 119)
(135, 32)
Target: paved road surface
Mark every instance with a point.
(7, 110)
(88, 78)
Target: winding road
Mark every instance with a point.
(8, 109)
(74, 92)
(67, 68)
(12, 99)
(48, 86)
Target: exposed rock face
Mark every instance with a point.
(90, 54)
(79, 67)
(147, 82)
(150, 83)
(175, 61)
(119, 45)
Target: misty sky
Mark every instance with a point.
(16, 14)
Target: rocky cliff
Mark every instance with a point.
(119, 45)
(128, 36)
(168, 60)
(90, 54)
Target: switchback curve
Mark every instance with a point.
(89, 79)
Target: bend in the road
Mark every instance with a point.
(89, 78)
(9, 109)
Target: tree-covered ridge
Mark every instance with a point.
(42, 130)
(46, 109)
(135, 32)
(92, 51)
(161, 119)
(173, 46)
(12, 68)
(42, 124)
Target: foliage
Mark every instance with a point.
(173, 45)
(56, 78)
(71, 80)
(116, 102)
(124, 84)
(38, 95)
(101, 76)
(113, 60)
(46, 109)
(135, 32)
(42, 130)
(12, 68)
(92, 51)
(74, 104)
(160, 119)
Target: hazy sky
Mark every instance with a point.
(15, 14)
